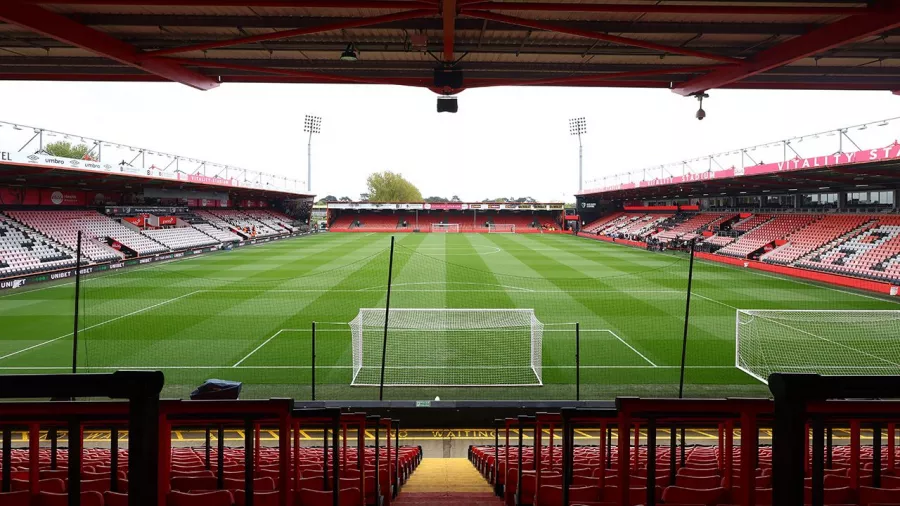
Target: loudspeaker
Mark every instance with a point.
(447, 104)
(448, 78)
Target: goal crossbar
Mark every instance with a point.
(848, 342)
(447, 347)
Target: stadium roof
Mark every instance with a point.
(25, 160)
(689, 46)
(860, 157)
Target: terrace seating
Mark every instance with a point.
(813, 236)
(871, 254)
(23, 251)
(343, 223)
(640, 227)
(216, 222)
(425, 220)
(378, 222)
(243, 222)
(181, 238)
(95, 227)
(601, 223)
(268, 218)
(770, 230)
(218, 234)
(687, 229)
(751, 222)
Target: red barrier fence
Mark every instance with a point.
(795, 272)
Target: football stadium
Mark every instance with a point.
(712, 331)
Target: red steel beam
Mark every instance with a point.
(710, 9)
(540, 25)
(353, 23)
(335, 4)
(842, 32)
(299, 74)
(449, 16)
(70, 32)
(587, 79)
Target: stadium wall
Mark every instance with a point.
(794, 272)
(42, 277)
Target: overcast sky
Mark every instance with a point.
(503, 142)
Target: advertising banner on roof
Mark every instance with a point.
(891, 152)
(124, 168)
(447, 206)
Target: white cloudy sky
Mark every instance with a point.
(503, 142)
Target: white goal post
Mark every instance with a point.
(445, 227)
(830, 342)
(500, 228)
(448, 347)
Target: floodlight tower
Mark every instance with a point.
(578, 126)
(311, 125)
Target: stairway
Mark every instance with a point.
(447, 482)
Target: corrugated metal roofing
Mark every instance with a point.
(565, 40)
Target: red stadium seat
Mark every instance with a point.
(346, 497)
(54, 499)
(871, 496)
(259, 484)
(269, 498)
(55, 485)
(705, 497)
(20, 498)
(551, 495)
(115, 499)
(186, 484)
(213, 498)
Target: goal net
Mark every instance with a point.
(445, 227)
(851, 342)
(501, 229)
(448, 347)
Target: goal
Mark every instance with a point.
(501, 228)
(445, 227)
(849, 342)
(448, 347)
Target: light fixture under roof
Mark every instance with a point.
(350, 53)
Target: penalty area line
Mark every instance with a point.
(630, 347)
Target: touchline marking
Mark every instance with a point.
(101, 323)
(258, 347)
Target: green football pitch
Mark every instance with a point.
(247, 315)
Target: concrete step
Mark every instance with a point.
(448, 499)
